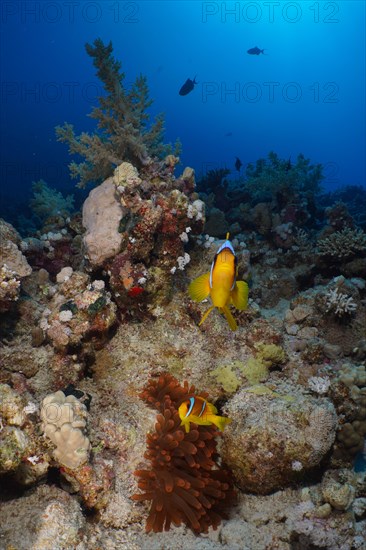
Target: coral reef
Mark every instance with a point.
(343, 244)
(63, 421)
(349, 394)
(9, 287)
(77, 320)
(275, 197)
(107, 310)
(276, 177)
(353, 199)
(139, 238)
(48, 202)
(49, 518)
(13, 266)
(15, 442)
(184, 483)
(339, 495)
(123, 132)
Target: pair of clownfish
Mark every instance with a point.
(221, 285)
(223, 288)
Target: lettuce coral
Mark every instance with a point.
(184, 483)
(124, 133)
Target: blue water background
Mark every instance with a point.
(307, 94)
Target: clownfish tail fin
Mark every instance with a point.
(221, 422)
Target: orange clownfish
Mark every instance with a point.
(221, 285)
(200, 411)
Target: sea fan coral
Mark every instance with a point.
(184, 484)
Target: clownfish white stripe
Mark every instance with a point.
(203, 408)
(192, 400)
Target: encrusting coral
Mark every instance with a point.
(184, 483)
(122, 118)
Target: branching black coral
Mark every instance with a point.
(184, 484)
(124, 133)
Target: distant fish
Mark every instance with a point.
(238, 164)
(187, 86)
(255, 51)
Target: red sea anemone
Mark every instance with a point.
(184, 483)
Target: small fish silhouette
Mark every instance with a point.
(238, 164)
(255, 51)
(187, 86)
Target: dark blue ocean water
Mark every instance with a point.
(306, 94)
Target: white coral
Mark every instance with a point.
(196, 210)
(183, 261)
(65, 315)
(339, 303)
(318, 384)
